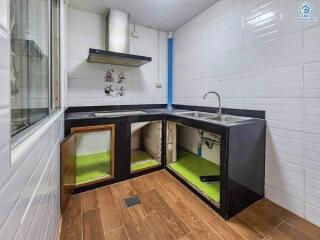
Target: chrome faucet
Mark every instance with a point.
(219, 99)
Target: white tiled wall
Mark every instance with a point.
(86, 80)
(29, 181)
(257, 57)
(30, 189)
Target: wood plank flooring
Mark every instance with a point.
(169, 211)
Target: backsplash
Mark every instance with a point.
(115, 83)
(101, 84)
(264, 61)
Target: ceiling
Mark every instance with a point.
(165, 15)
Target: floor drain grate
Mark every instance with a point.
(132, 201)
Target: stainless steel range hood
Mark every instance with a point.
(117, 43)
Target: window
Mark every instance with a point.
(34, 62)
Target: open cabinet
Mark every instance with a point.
(194, 155)
(146, 145)
(87, 157)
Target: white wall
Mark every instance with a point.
(257, 57)
(30, 189)
(93, 142)
(152, 139)
(29, 181)
(86, 80)
(135, 139)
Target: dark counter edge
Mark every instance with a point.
(114, 108)
(77, 116)
(232, 111)
(238, 112)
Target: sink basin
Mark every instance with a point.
(197, 114)
(213, 117)
(227, 118)
(114, 114)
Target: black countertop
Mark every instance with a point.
(87, 114)
(146, 112)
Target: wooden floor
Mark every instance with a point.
(170, 211)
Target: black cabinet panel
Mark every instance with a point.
(242, 163)
(122, 167)
(246, 165)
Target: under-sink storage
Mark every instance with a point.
(146, 145)
(194, 155)
(222, 164)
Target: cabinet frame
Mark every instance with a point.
(154, 118)
(99, 128)
(223, 133)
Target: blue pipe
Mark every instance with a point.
(199, 151)
(170, 61)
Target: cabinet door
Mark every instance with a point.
(68, 170)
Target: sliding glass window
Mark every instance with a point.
(33, 70)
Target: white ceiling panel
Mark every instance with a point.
(165, 15)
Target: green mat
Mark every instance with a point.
(141, 160)
(92, 167)
(190, 167)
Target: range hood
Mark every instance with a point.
(117, 43)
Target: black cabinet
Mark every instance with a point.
(130, 157)
(195, 154)
(239, 164)
(237, 161)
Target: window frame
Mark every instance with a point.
(24, 133)
(57, 31)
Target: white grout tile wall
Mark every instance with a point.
(29, 174)
(86, 80)
(258, 57)
(4, 114)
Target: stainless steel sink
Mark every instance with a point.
(114, 114)
(227, 118)
(197, 114)
(213, 117)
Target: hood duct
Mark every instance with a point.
(117, 43)
(117, 31)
